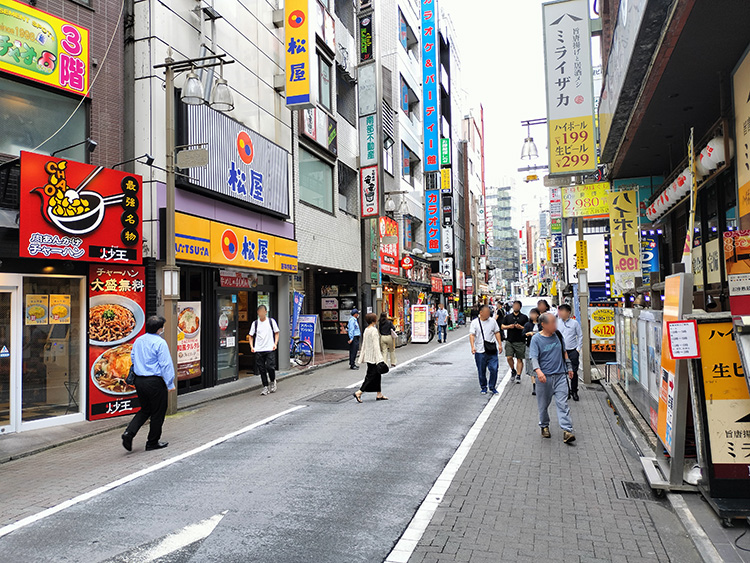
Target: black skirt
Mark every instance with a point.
(371, 383)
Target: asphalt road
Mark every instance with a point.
(330, 482)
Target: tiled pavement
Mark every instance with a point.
(520, 498)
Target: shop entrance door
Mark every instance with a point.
(6, 361)
(226, 346)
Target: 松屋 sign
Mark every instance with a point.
(301, 58)
(430, 98)
(43, 48)
(570, 90)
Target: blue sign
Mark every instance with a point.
(432, 221)
(649, 257)
(430, 94)
(296, 310)
(306, 327)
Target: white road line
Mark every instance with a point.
(5, 530)
(412, 360)
(179, 540)
(405, 547)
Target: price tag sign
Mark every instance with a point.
(582, 255)
(683, 340)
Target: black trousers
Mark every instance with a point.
(575, 360)
(265, 366)
(152, 394)
(353, 351)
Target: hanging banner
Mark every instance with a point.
(301, 58)
(649, 257)
(624, 243)
(40, 47)
(389, 252)
(432, 221)
(741, 87)
(117, 305)
(430, 95)
(570, 90)
(586, 200)
(188, 339)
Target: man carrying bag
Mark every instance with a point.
(484, 337)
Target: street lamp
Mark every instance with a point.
(192, 94)
(529, 150)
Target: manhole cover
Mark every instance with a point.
(439, 363)
(330, 396)
(628, 490)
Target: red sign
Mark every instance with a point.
(447, 289)
(117, 316)
(407, 262)
(388, 246)
(437, 284)
(75, 211)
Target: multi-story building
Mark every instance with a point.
(504, 249)
(474, 190)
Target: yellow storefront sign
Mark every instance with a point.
(582, 255)
(572, 145)
(586, 200)
(211, 242)
(301, 57)
(445, 179)
(624, 243)
(43, 48)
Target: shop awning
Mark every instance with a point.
(398, 280)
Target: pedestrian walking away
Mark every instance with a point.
(474, 312)
(264, 341)
(370, 354)
(551, 363)
(154, 377)
(442, 323)
(484, 337)
(573, 337)
(529, 330)
(515, 341)
(387, 338)
(352, 328)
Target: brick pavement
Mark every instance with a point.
(34, 483)
(521, 498)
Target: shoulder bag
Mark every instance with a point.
(490, 346)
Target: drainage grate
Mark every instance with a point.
(330, 396)
(628, 490)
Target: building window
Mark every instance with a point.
(325, 82)
(406, 35)
(315, 181)
(408, 99)
(348, 190)
(409, 165)
(388, 159)
(346, 98)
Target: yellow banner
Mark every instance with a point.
(201, 240)
(301, 58)
(582, 255)
(445, 179)
(572, 145)
(43, 48)
(624, 243)
(586, 200)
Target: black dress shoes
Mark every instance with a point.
(156, 446)
(127, 441)
(574, 394)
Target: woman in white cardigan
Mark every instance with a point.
(371, 355)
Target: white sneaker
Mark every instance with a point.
(265, 391)
(273, 387)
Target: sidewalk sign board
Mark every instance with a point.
(308, 328)
(420, 324)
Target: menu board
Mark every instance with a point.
(117, 302)
(188, 339)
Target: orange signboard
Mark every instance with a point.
(668, 364)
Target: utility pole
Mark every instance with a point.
(583, 298)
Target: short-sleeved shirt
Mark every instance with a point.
(264, 334)
(515, 334)
(487, 332)
(442, 317)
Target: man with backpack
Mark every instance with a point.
(264, 340)
(551, 364)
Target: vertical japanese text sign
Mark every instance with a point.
(570, 90)
(432, 221)
(301, 61)
(430, 85)
(626, 248)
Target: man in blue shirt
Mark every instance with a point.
(154, 377)
(573, 337)
(550, 362)
(442, 323)
(354, 332)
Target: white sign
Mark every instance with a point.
(683, 339)
(368, 99)
(739, 284)
(367, 141)
(231, 341)
(446, 270)
(555, 203)
(447, 240)
(369, 195)
(420, 317)
(557, 256)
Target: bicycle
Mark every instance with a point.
(302, 352)
(431, 332)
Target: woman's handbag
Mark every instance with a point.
(490, 346)
(383, 368)
(130, 379)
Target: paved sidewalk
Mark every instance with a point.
(520, 498)
(36, 482)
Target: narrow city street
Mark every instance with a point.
(331, 480)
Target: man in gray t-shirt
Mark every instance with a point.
(551, 364)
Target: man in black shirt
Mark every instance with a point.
(515, 342)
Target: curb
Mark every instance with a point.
(694, 530)
(125, 420)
